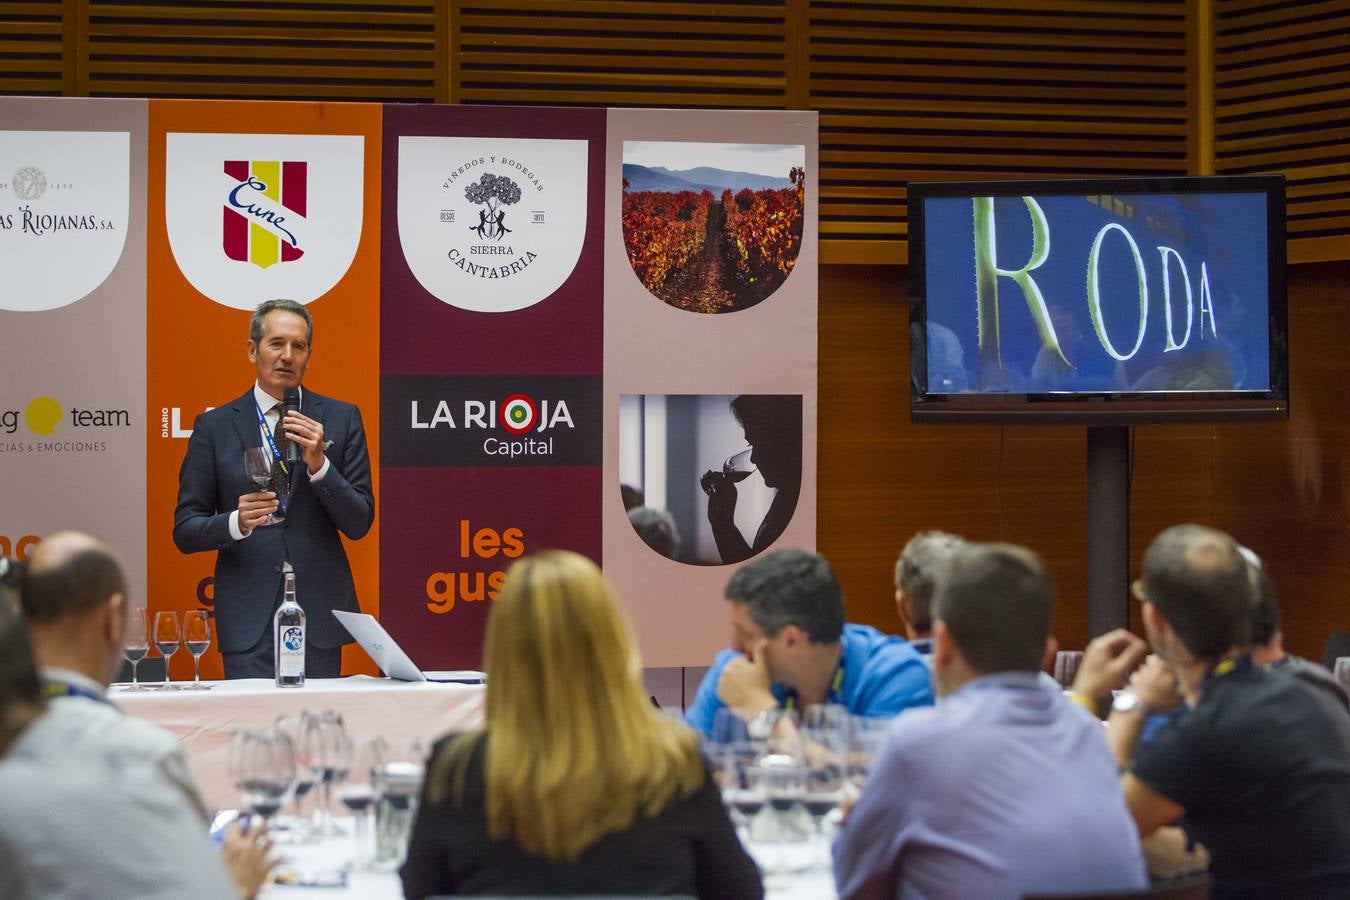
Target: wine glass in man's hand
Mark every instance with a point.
(260, 468)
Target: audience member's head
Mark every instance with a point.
(21, 697)
(1197, 594)
(790, 601)
(917, 570)
(991, 613)
(574, 748)
(74, 598)
(12, 572)
(632, 496)
(657, 529)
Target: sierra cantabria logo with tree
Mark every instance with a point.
(498, 229)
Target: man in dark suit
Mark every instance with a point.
(220, 509)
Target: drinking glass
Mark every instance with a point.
(398, 783)
(738, 466)
(1066, 667)
(825, 743)
(732, 761)
(197, 638)
(324, 738)
(295, 728)
(258, 466)
(866, 735)
(135, 644)
(781, 778)
(167, 638)
(263, 765)
(365, 758)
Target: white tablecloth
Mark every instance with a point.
(798, 871)
(203, 721)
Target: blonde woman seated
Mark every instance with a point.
(576, 785)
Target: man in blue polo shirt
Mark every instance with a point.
(790, 646)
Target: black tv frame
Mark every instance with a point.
(1102, 408)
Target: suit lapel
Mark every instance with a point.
(246, 420)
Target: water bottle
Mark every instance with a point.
(289, 628)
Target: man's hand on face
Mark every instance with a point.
(1155, 685)
(1107, 662)
(745, 683)
(308, 434)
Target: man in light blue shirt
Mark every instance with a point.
(1005, 788)
(791, 647)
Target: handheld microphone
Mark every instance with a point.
(290, 402)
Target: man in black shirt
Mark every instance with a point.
(1258, 764)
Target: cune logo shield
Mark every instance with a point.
(290, 205)
(258, 211)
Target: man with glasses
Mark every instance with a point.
(1258, 764)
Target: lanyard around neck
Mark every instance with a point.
(267, 433)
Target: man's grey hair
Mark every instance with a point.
(918, 569)
(255, 323)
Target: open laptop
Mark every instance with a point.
(389, 656)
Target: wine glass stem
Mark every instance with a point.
(168, 656)
(362, 826)
(196, 670)
(135, 682)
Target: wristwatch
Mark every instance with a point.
(1127, 701)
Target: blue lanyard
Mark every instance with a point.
(55, 688)
(267, 433)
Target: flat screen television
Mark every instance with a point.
(1101, 301)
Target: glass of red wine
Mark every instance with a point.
(135, 643)
(263, 766)
(167, 638)
(365, 759)
(197, 638)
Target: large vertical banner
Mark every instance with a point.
(710, 361)
(72, 312)
(252, 201)
(491, 359)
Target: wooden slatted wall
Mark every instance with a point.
(35, 55)
(279, 49)
(986, 89)
(621, 53)
(1282, 104)
(906, 90)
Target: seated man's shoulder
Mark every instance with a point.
(85, 722)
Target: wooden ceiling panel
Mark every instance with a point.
(35, 55)
(1282, 87)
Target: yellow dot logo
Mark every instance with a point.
(43, 414)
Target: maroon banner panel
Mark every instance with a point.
(491, 361)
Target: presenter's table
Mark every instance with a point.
(204, 721)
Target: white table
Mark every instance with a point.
(799, 871)
(203, 721)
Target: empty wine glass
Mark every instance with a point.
(197, 638)
(865, 737)
(295, 727)
(365, 759)
(325, 741)
(260, 469)
(135, 644)
(167, 638)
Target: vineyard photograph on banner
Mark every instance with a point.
(717, 237)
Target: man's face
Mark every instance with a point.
(745, 633)
(282, 354)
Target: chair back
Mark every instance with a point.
(1338, 644)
